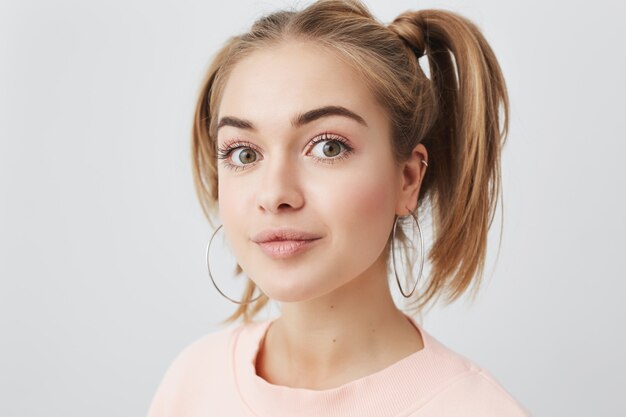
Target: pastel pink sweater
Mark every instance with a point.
(216, 376)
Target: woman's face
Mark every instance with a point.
(342, 189)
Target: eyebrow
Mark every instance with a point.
(299, 120)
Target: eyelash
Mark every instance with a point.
(225, 151)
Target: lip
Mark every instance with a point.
(283, 234)
(283, 242)
(280, 249)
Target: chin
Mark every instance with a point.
(288, 294)
(290, 290)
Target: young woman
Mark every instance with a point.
(317, 139)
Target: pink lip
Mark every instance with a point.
(280, 249)
(283, 233)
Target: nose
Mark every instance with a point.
(279, 188)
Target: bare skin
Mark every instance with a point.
(352, 332)
(338, 320)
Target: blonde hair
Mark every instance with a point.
(454, 113)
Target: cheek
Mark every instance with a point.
(371, 205)
(231, 207)
(361, 214)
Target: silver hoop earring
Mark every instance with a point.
(419, 230)
(212, 280)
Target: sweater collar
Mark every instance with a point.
(403, 386)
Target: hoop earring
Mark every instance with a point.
(394, 257)
(212, 280)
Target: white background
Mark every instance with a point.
(103, 276)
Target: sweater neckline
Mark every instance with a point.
(385, 393)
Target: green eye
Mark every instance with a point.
(331, 148)
(246, 156)
(245, 153)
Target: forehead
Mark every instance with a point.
(270, 85)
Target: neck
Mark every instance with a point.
(346, 334)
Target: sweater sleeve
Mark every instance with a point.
(199, 370)
(516, 408)
(166, 399)
(477, 394)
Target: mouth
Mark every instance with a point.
(281, 249)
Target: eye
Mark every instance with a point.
(330, 149)
(240, 152)
(238, 155)
(244, 155)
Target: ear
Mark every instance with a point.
(412, 173)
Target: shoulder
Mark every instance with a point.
(465, 388)
(207, 349)
(475, 393)
(481, 394)
(202, 364)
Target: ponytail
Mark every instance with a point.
(464, 142)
